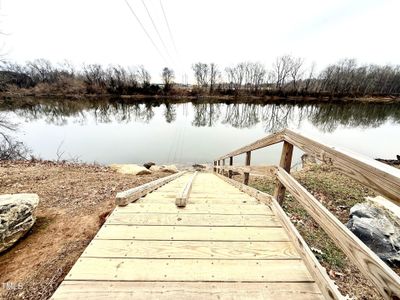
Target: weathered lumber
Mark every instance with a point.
(384, 278)
(285, 163)
(153, 290)
(382, 178)
(252, 170)
(189, 233)
(260, 196)
(131, 195)
(328, 288)
(216, 209)
(191, 249)
(183, 196)
(247, 163)
(230, 164)
(261, 143)
(194, 220)
(121, 269)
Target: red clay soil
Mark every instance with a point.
(74, 202)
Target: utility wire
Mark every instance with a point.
(169, 28)
(145, 31)
(156, 29)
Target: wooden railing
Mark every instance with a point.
(382, 178)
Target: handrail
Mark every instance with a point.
(376, 175)
(380, 177)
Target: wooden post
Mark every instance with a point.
(285, 163)
(215, 163)
(246, 175)
(219, 165)
(223, 164)
(230, 164)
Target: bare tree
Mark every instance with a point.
(144, 76)
(281, 70)
(214, 76)
(168, 76)
(236, 75)
(201, 74)
(295, 71)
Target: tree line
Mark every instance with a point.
(288, 76)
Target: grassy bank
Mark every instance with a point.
(338, 193)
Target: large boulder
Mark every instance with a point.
(164, 168)
(148, 164)
(169, 169)
(130, 169)
(17, 216)
(378, 229)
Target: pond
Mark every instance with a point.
(119, 131)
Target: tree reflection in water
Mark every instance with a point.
(206, 114)
(325, 116)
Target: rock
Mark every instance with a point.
(148, 165)
(164, 168)
(17, 216)
(378, 229)
(169, 169)
(155, 168)
(130, 169)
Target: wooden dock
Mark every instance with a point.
(224, 244)
(207, 236)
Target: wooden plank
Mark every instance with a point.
(247, 163)
(101, 290)
(327, 286)
(201, 201)
(193, 220)
(117, 269)
(253, 170)
(187, 233)
(245, 209)
(382, 178)
(230, 164)
(385, 279)
(285, 163)
(260, 196)
(126, 197)
(261, 143)
(183, 196)
(191, 249)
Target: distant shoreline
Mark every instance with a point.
(210, 98)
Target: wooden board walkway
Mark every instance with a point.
(223, 245)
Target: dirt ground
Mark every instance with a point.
(74, 201)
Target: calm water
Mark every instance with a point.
(118, 132)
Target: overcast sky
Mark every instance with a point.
(221, 31)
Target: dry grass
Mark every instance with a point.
(338, 193)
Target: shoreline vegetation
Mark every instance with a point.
(287, 80)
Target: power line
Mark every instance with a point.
(169, 28)
(145, 31)
(156, 29)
